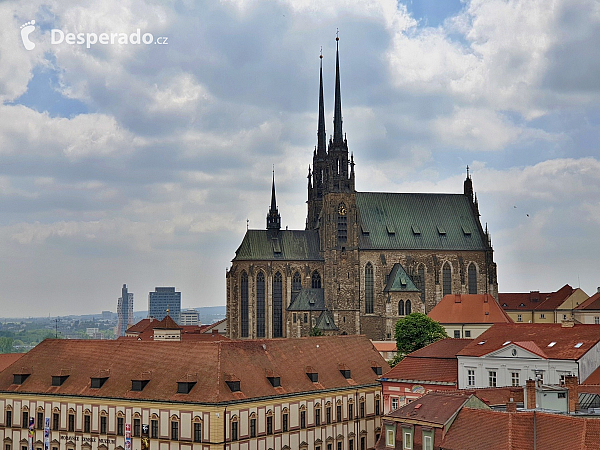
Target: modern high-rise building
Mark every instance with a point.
(189, 317)
(163, 299)
(124, 311)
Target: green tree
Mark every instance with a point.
(316, 332)
(6, 345)
(415, 331)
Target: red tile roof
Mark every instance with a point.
(141, 325)
(6, 359)
(385, 346)
(541, 334)
(434, 407)
(206, 362)
(592, 303)
(469, 308)
(593, 378)
(497, 396)
(534, 300)
(435, 363)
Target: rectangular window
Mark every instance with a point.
(377, 406)
(154, 428)
(174, 430)
(55, 421)
(597, 320)
(40, 421)
(294, 317)
(394, 403)
(71, 422)
(328, 414)
(542, 316)
(362, 409)
(305, 317)
(514, 376)
(492, 378)
(8, 421)
(456, 334)
(350, 444)
(7, 447)
(302, 419)
(252, 428)
(407, 441)
(363, 443)
(87, 423)
(234, 431)
(102, 424)
(338, 413)
(25, 420)
(329, 447)
(339, 446)
(562, 395)
(284, 423)
(137, 425)
(467, 333)
(350, 411)
(269, 424)
(317, 417)
(471, 377)
(427, 442)
(197, 432)
(519, 318)
(342, 229)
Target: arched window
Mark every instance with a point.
(408, 307)
(472, 275)
(260, 305)
(296, 285)
(244, 304)
(277, 305)
(316, 280)
(447, 279)
(369, 288)
(401, 308)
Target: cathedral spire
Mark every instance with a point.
(321, 136)
(273, 217)
(337, 115)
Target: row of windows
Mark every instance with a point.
(261, 301)
(120, 429)
(515, 377)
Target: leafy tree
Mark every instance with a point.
(316, 332)
(415, 331)
(6, 345)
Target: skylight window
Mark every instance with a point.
(552, 344)
(481, 343)
(579, 344)
(506, 343)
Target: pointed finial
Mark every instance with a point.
(337, 34)
(337, 112)
(467, 171)
(321, 55)
(321, 134)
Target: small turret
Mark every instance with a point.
(273, 217)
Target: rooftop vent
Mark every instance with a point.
(390, 229)
(466, 231)
(417, 231)
(441, 230)
(364, 230)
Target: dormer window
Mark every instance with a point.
(19, 378)
(58, 380)
(275, 381)
(346, 373)
(377, 369)
(312, 374)
(98, 382)
(184, 387)
(233, 383)
(138, 385)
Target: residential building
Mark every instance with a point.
(537, 307)
(510, 354)
(124, 311)
(317, 393)
(167, 330)
(163, 301)
(364, 259)
(468, 315)
(431, 368)
(190, 317)
(589, 310)
(387, 349)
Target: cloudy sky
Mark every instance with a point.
(140, 164)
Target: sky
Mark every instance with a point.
(143, 163)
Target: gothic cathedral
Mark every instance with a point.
(364, 260)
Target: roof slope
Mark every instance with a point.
(545, 301)
(308, 299)
(418, 221)
(592, 303)
(469, 308)
(296, 245)
(542, 334)
(435, 407)
(205, 363)
(444, 348)
(6, 359)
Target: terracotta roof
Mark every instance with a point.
(444, 348)
(570, 342)
(206, 362)
(532, 347)
(534, 300)
(469, 308)
(494, 430)
(434, 407)
(591, 303)
(207, 328)
(167, 323)
(593, 378)
(6, 359)
(385, 346)
(141, 325)
(497, 396)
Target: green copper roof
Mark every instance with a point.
(399, 281)
(308, 299)
(326, 322)
(296, 245)
(417, 222)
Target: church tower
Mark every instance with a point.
(332, 211)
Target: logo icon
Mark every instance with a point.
(26, 29)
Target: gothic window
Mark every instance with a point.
(277, 305)
(244, 304)
(260, 305)
(472, 275)
(401, 308)
(408, 307)
(316, 280)
(342, 225)
(296, 285)
(447, 279)
(369, 288)
(419, 278)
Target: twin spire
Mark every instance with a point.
(337, 114)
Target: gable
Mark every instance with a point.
(514, 352)
(418, 221)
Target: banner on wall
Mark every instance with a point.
(47, 434)
(127, 436)
(31, 432)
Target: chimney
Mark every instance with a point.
(530, 394)
(572, 385)
(511, 406)
(598, 289)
